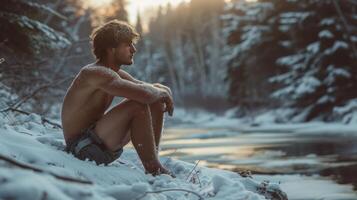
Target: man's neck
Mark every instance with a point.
(108, 64)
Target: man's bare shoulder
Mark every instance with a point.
(96, 72)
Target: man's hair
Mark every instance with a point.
(110, 35)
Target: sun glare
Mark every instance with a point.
(147, 8)
(96, 3)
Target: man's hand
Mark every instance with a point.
(166, 98)
(158, 85)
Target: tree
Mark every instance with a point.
(22, 30)
(297, 53)
(321, 73)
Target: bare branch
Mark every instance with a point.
(26, 98)
(192, 169)
(43, 119)
(35, 169)
(169, 190)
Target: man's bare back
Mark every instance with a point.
(83, 105)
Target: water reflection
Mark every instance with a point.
(266, 153)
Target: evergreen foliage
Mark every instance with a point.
(22, 30)
(298, 52)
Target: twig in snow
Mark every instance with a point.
(245, 174)
(198, 177)
(168, 190)
(35, 169)
(192, 169)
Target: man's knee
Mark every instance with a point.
(139, 108)
(157, 106)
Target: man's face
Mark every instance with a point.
(124, 53)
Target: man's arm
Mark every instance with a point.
(123, 74)
(169, 100)
(110, 82)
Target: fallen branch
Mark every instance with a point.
(26, 98)
(43, 119)
(169, 190)
(35, 169)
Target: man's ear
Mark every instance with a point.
(110, 50)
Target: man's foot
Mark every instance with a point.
(155, 168)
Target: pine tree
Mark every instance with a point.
(23, 32)
(254, 38)
(321, 72)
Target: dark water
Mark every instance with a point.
(333, 156)
(342, 149)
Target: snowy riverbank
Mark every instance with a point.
(308, 157)
(33, 165)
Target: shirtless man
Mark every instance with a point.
(93, 132)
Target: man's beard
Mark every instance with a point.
(124, 62)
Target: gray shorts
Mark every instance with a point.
(90, 146)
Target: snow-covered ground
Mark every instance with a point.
(264, 122)
(33, 165)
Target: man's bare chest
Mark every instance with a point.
(101, 100)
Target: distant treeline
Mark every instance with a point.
(271, 54)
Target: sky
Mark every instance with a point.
(147, 8)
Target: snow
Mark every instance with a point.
(31, 142)
(314, 47)
(261, 122)
(337, 45)
(312, 187)
(348, 112)
(327, 21)
(251, 132)
(290, 60)
(335, 72)
(38, 145)
(307, 85)
(325, 34)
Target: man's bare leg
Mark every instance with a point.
(130, 115)
(145, 144)
(157, 115)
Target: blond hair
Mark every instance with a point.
(110, 35)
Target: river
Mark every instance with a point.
(307, 166)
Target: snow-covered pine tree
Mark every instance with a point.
(23, 32)
(255, 41)
(27, 40)
(321, 72)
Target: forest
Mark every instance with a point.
(294, 57)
